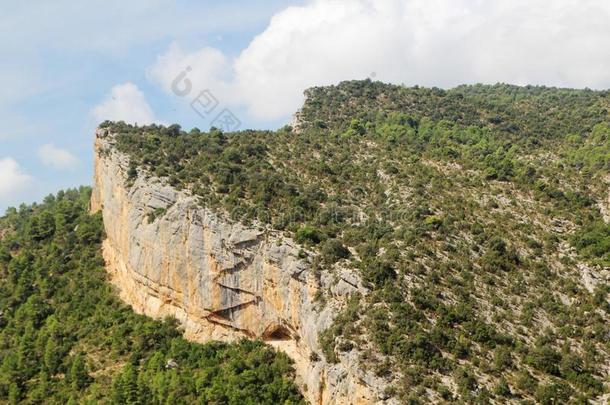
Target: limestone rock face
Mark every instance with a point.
(604, 205)
(222, 280)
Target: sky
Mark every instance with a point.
(66, 66)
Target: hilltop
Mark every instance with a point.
(401, 245)
(476, 218)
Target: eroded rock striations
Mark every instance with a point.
(222, 280)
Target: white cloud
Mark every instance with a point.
(427, 42)
(12, 179)
(125, 103)
(207, 68)
(58, 158)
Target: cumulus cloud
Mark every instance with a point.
(57, 158)
(426, 42)
(208, 66)
(13, 180)
(125, 103)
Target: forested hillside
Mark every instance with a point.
(474, 215)
(65, 337)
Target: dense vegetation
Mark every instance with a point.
(66, 338)
(473, 215)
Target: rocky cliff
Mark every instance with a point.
(222, 280)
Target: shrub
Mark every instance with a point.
(333, 250)
(593, 242)
(551, 394)
(502, 388)
(544, 358)
(307, 234)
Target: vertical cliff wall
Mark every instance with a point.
(168, 256)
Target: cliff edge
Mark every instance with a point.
(222, 280)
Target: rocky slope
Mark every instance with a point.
(604, 206)
(475, 218)
(221, 280)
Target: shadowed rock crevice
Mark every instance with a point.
(277, 332)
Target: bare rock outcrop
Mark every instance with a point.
(604, 204)
(222, 280)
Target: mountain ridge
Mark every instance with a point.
(473, 216)
(401, 245)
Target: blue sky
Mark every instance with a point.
(66, 65)
(61, 58)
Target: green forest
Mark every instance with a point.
(65, 337)
(469, 213)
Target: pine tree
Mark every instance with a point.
(14, 394)
(41, 391)
(125, 389)
(52, 356)
(78, 376)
